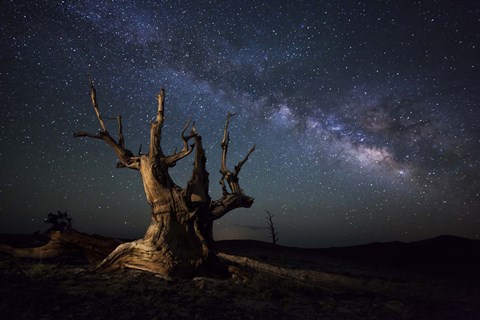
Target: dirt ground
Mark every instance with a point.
(66, 289)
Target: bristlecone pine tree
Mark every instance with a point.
(177, 241)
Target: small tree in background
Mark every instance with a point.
(271, 227)
(60, 221)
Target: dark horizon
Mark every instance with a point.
(365, 116)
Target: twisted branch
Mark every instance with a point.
(229, 176)
(235, 199)
(93, 97)
(125, 156)
(171, 160)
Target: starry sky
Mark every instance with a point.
(365, 113)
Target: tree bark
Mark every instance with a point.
(172, 245)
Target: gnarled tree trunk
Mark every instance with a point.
(177, 241)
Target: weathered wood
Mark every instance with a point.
(330, 280)
(176, 242)
(227, 175)
(70, 243)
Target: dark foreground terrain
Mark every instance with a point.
(435, 279)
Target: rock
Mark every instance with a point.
(396, 306)
(343, 310)
(328, 304)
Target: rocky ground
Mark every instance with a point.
(328, 288)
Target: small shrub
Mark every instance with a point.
(60, 221)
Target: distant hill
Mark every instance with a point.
(447, 255)
(446, 250)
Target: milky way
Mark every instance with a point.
(365, 115)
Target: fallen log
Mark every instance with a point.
(326, 280)
(93, 248)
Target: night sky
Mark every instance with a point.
(365, 113)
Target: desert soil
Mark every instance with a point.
(66, 289)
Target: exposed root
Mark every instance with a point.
(146, 257)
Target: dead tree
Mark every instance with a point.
(271, 227)
(177, 241)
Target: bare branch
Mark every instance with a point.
(186, 150)
(121, 139)
(224, 187)
(184, 138)
(86, 134)
(235, 199)
(161, 105)
(226, 139)
(156, 127)
(271, 227)
(132, 163)
(238, 167)
(230, 177)
(93, 97)
(219, 208)
(124, 155)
